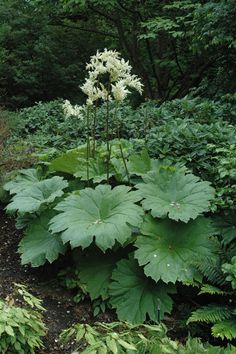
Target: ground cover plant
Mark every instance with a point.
(21, 322)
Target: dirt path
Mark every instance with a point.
(61, 311)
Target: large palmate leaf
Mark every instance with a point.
(135, 296)
(95, 272)
(75, 162)
(170, 192)
(97, 170)
(103, 213)
(67, 162)
(32, 198)
(167, 247)
(141, 164)
(39, 245)
(23, 180)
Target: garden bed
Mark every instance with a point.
(61, 312)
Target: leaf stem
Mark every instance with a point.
(107, 137)
(88, 145)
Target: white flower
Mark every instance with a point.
(70, 110)
(116, 71)
(119, 91)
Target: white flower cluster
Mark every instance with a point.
(116, 71)
(70, 110)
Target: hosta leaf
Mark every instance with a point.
(30, 199)
(39, 245)
(103, 213)
(24, 179)
(167, 247)
(95, 272)
(170, 192)
(135, 296)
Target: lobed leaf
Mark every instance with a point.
(134, 296)
(29, 200)
(166, 248)
(173, 193)
(101, 213)
(39, 245)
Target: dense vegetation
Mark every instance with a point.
(135, 186)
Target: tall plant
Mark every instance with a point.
(109, 79)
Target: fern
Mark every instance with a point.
(225, 329)
(212, 290)
(211, 314)
(211, 270)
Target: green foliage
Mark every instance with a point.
(142, 296)
(21, 327)
(23, 179)
(230, 269)
(194, 345)
(122, 337)
(102, 213)
(45, 125)
(38, 244)
(167, 248)
(173, 193)
(190, 131)
(35, 195)
(211, 314)
(225, 329)
(36, 64)
(111, 219)
(118, 337)
(91, 264)
(220, 311)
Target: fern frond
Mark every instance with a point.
(210, 314)
(211, 269)
(212, 290)
(225, 329)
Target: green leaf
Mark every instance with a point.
(173, 193)
(135, 296)
(97, 170)
(111, 344)
(44, 192)
(101, 265)
(212, 290)
(9, 331)
(75, 162)
(140, 164)
(38, 244)
(225, 329)
(210, 314)
(23, 180)
(103, 213)
(167, 247)
(67, 162)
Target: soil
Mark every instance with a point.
(61, 311)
